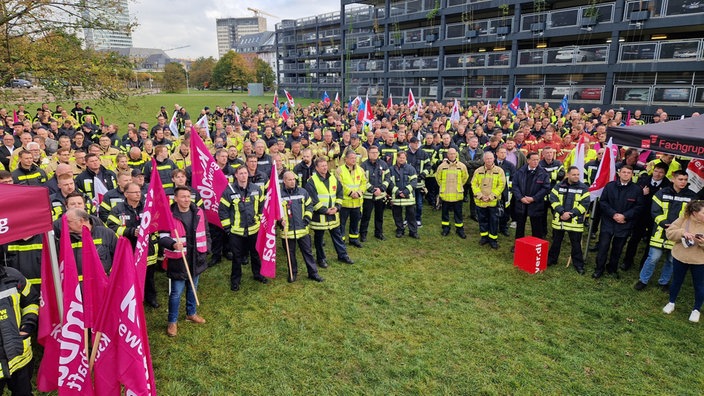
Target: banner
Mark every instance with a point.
(208, 179)
(74, 376)
(124, 356)
(95, 281)
(49, 326)
(695, 170)
(580, 150)
(203, 123)
(266, 238)
(30, 214)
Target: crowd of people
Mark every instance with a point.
(504, 169)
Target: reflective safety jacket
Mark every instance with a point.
(110, 200)
(124, 220)
(404, 180)
(240, 209)
(85, 181)
(667, 206)
(452, 176)
(488, 183)
(431, 150)
(572, 199)
(555, 169)
(105, 242)
(164, 169)
(421, 162)
(25, 255)
(352, 180)
(326, 193)
(58, 205)
(139, 162)
(377, 174)
(671, 167)
(298, 210)
(19, 307)
(34, 176)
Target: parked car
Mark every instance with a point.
(685, 53)
(676, 94)
(692, 5)
(637, 94)
(588, 94)
(579, 55)
(19, 83)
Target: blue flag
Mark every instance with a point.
(565, 106)
(326, 98)
(515, 103)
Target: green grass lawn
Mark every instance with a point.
(439, 316)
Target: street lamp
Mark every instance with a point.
(188, 88)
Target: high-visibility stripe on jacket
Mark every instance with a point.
(19, 306)
(352, 180)
(377, 175)
(298, 209)
(488, 182)
(240, 209)
(452, 177)
(179, 235)
(569, 198)
(326, 196)
(667, 206)
(403, 180)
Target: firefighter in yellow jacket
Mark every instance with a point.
(353, 181)
(488, 183)
(452, 176)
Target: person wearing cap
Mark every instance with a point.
(88, 116)
(162, 113)
(357, 148)
(421, 162)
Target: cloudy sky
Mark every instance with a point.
(175, 23)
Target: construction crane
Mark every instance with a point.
(258, 11)
(175, 48)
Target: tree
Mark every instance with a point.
(264, 73)
(174, 77)
(232, 71)
(202, 72)
(38, 39)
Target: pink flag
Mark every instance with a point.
(605, 173)
(15, 118)
(74, 378)
(30, 218)
(102, 121)
(156, 216)
(411, 99)
(390, 103)
(49, 326)
(95, 281)
(628, 118)
(290, 99)
(124, 356)
(266, 239)
(208, 179)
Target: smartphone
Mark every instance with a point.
(699, 235)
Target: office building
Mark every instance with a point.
(230, 30)
(101, 39)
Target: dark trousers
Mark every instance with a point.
(354, 215)
(536, 225)
(597, 217)
(488, 222)
(605, 241)
(410, 210)
(679, 270)
(149, 284)
(469, 196)
(219, 240)
(431, 184)
(576, 253)
(241, 247)
(337, 242)
(419, 204)
(377, 206)
(456, 208)
(306, 251)
(640, 230)
(20, 383)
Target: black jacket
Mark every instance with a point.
(536, 186)
(624, 199)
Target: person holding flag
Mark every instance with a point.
(239, 211)
(187, 245)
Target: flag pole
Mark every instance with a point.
(50, 237)
(591, 225)
(188, 271)
(94, 352)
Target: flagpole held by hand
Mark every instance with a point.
(188, 270)
(285, 224)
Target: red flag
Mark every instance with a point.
(390, 103)
(579, 153)
(74, 377)
(208, 179)
(266, 239)
(49, 326)
(124, 354)
(30, 218)
(276, 100)
(290, 99)
(605, 173)
(411, 99)
(95, 281)
(368, 113)
(100, 191)
(102, 121)
(455, 115)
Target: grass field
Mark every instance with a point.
(436, 316)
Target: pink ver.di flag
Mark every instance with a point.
(74, 377)
(95, 281)
(208, 179)
(266, 239)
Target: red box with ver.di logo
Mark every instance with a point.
(531, 254)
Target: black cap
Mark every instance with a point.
(17, 123)
(206, 108)
(137, 172)
(413, 140)
(89, 108)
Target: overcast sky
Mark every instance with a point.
(175, 23)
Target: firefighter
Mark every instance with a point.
(377, 174)
(452, 176)
(488, 183)
(353, 181)
(404, 182)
